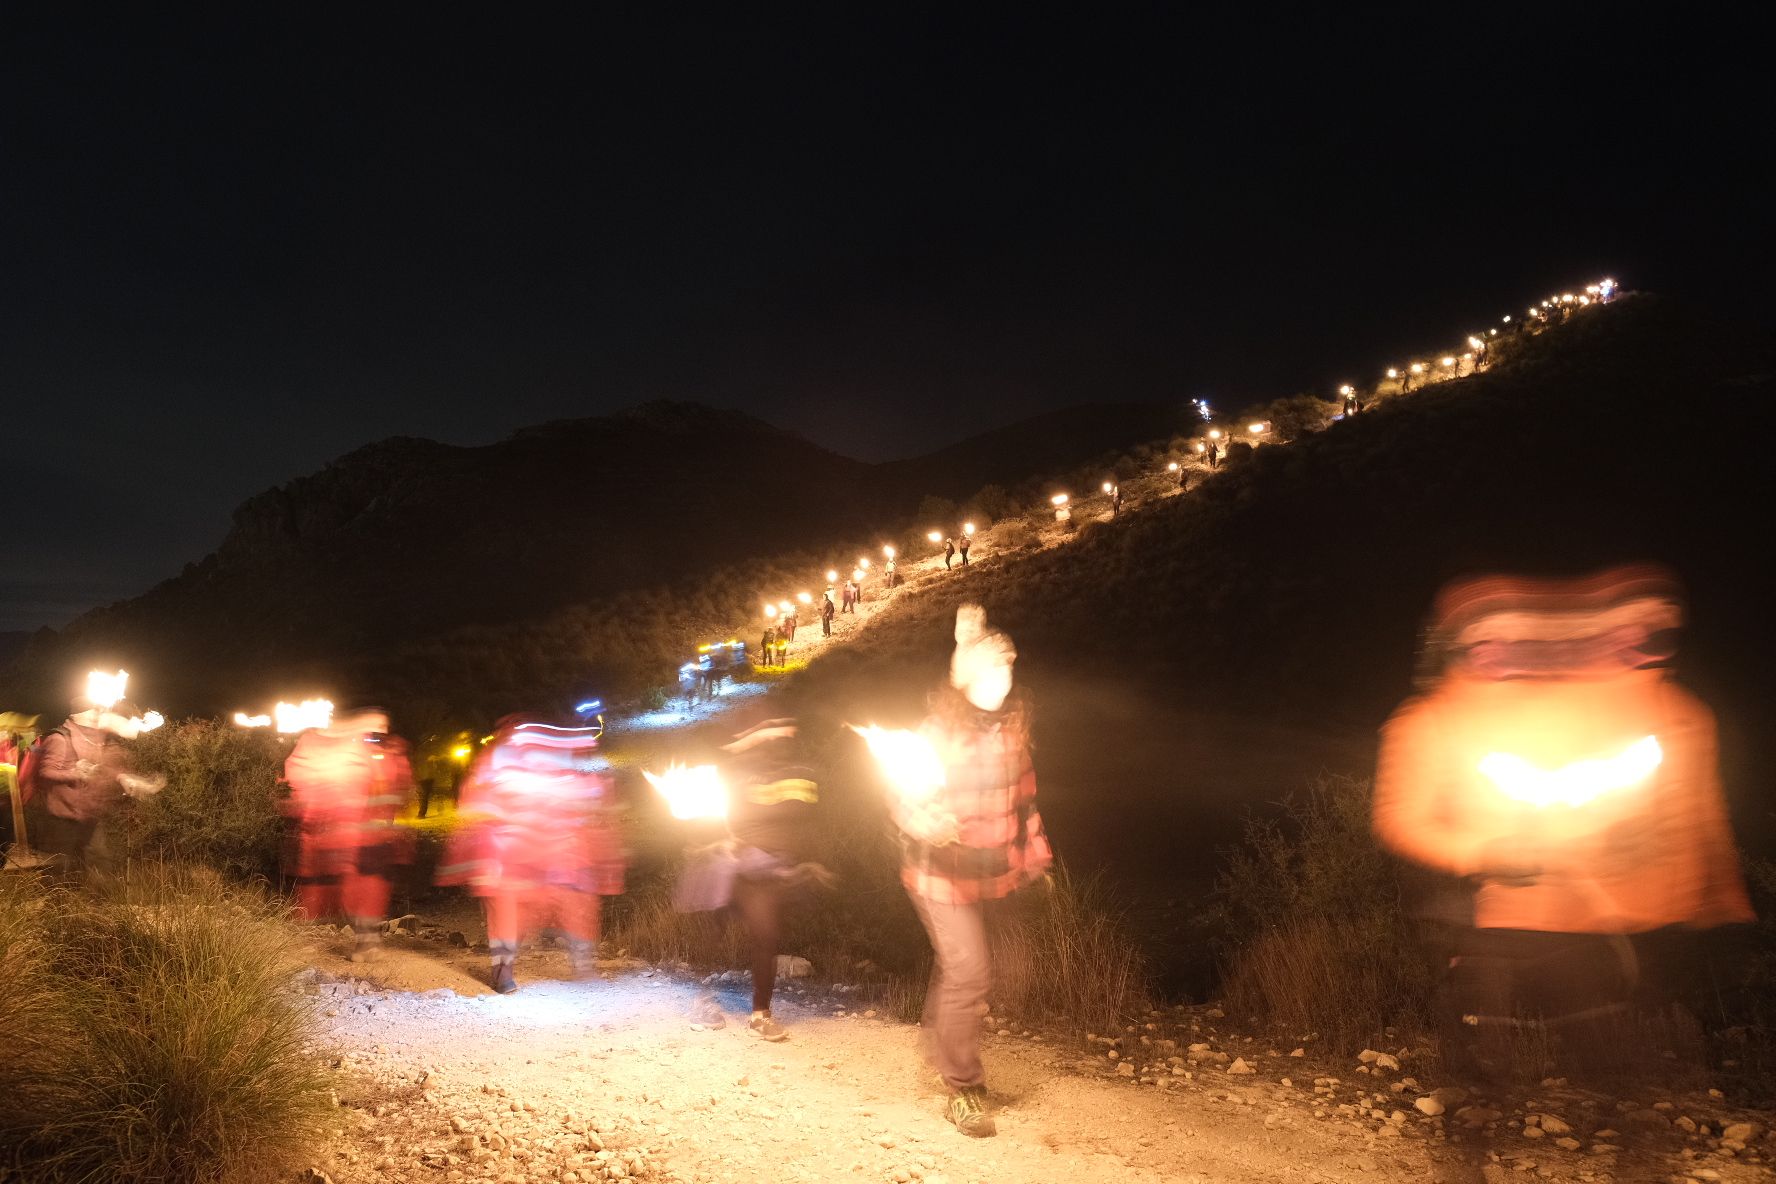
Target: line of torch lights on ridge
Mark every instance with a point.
(909, 767)
(1443, 367)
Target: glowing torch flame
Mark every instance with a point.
(888, 552)
(106, 689)
(691, 792)
(832, 577)
(968, 529)
(299, 717)
(935, 536)
(244, 720)
(805, 597)
(1574, 784)
(1059, 499)
(907, 759)
(770, 612)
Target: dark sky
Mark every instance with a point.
(232, 252)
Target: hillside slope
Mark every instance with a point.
(409, 539)
(1216, 649)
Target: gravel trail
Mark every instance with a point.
(609, 1079)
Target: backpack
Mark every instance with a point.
(27, 770)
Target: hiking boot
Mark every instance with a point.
(765, 1028)
(968, 1112)
(368, 947)
(503, 979)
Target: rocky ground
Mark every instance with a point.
(624, 1078)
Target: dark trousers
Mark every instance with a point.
(826, 626)
(68, 843)
(760, 905)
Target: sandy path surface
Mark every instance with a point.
(569, 1081)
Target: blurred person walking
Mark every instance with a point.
(537, 839)
(1567, 789)
(980, 840)
(826, 613)
(347, 783)
(74, 780)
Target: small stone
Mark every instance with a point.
(1126, 1069)
(1555, 1125)
(1533, 1132)
(1567, 1143)
(1300, 1052)
(1239, 1066)
(1744, 1132)
(1429, 1106)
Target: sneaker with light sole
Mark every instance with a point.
(967, 1111)
(765, 1028)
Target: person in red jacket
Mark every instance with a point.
(979, 840)
(538, 838)
(347, 783)
(1556, 769)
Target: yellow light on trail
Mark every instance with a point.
(106, 689)
(864, 563)
(691, 792)
(1418, 367)
(857, 576)
(1201, 447)
(1108, 487)
(1574, 784)
(462, 752)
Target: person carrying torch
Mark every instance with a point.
(1567, 789)
(78, 776)
(538, 838)
(965, 804)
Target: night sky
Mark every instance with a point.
(233, 252)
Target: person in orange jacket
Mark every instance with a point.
(347, 782)
(1556, 769)
(538, 838)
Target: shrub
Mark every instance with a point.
(220, 804)
(1064, 951)
(1016, 534)
(168, 1043)
(1314, 936)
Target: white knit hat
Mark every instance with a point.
(977, 646)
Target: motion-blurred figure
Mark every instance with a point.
(768, 646)
(765, 858)
(73, 783)
(1557, 769)
(949, 552)
(848, 597)
(538, 837)
(962, 545)
(826, 613)
(347, 783)
(979, 839)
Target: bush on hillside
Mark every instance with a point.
(220, 804)
(1064, 951)
(151, 1033)
(1313, 935)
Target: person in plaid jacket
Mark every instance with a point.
(538, 838)
(979, 840)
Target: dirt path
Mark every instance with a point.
(610, 1079)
